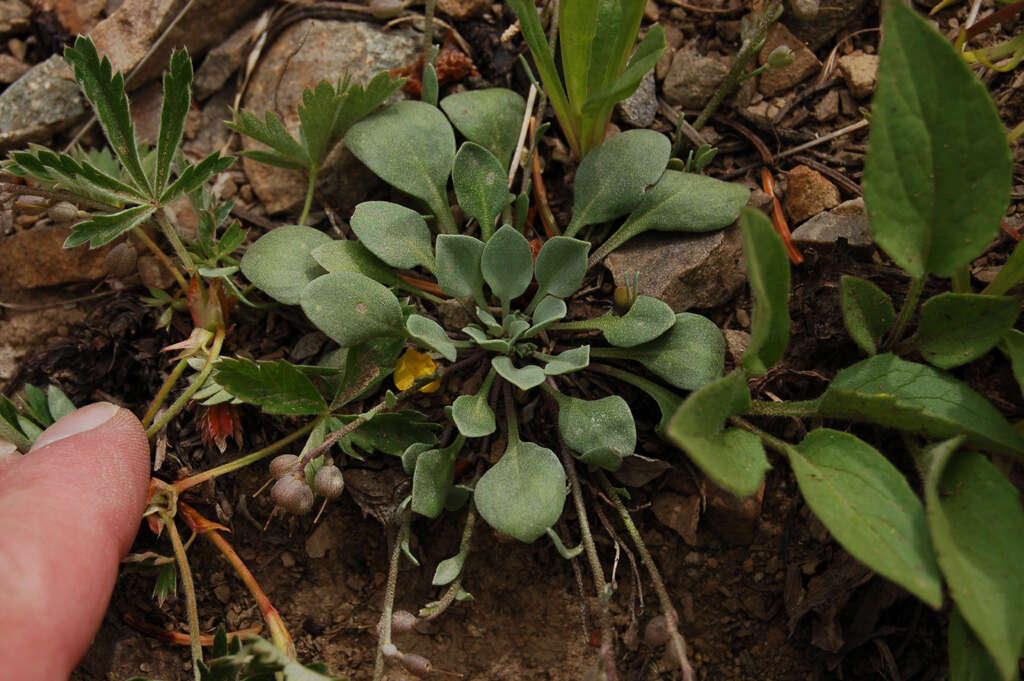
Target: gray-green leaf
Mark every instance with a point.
(507, 264)
(588, 425)
(524, 378)
(479, 182)
(280, 263)
(768, 271)
(429, 333)
(523, 494)
(458, 266)
(395, 234)
(349, 255)
(560, 267)
(490, 117)
(351, 308)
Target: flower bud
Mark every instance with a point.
(781, 57)
(329, 482)
(293, 495)
(282, 464)
(656, 632)
(403, 621)
(415, 664)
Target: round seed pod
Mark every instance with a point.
(623, 297)
(329, 482)
(282, 464)
(415, 664)
(120, 260)
(390, 651)
(62, 212)
(293, 495)
(386, 9)
(656, 632)
(403, 621)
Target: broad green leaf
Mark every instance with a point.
(349, 255)
(409, 145)
(429, 333)
(968, 659)
(432, 479)
(173, 111)
(590, 425)
(643, 60)
(280, 263)
(768, 271)
(351, 308)
(507, 264)
(391, 432)
(276, 387)
(358, 102)
(105, 91)
(892, 392)
(565, 362)
(490, 118)
(58, 403)
(412, 453)
(524, 378)
(365, 366)
(458, 266)
(956, 328)
(395, 234)
(479, 182)
(668, 402)
(733, 458)
(680, 202)
(613, 177)
(647, 319)
(938, 170)
(1012, 346)
(867, 312)
(549, 311)
(288, 153)
(560, 267)
(869, 508)
(472, 414)
(1009, 275)
(977, 521)
(102, 229)
(689, 355)
(523, 494)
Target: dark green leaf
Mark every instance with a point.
(938, 170)
(280, 264)
(1013, 346)
(37, 406)
(968, 659)
(956, 328)
(892, 392)
(359, 102)
(395, 234)
(195, 176)
(173, 111)
(768, 271)
(276, 387)
(1009, 275)
(869, 508)
(316, 120)
(867, 312)
(66, 172)
(351, 308)
(523, 494)
(271, 132)
(480, 187)
(102, 229)
(490, 118)
(391, 433)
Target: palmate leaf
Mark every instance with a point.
(358, 102)
(105, 91)
(195, 176)
(102, 229)
(316, 120)
(173, 111)
(270, 131)
(63, 171)
(276, 387)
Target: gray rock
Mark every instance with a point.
(303, 55)
(222, 62)
(638, 110)
(44, 101)
(848, 220)
(693, 78)
(684, 270)
(826, 23)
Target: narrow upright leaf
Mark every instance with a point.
(956, 328)
(867, 312)
(173, 111)
(524, 378)
(646, 319)
(280, 262)
(938, 169)
(768, 270)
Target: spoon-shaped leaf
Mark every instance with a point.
(647, 319)
(280, 264)
(479, 182)
(429, 333)
(507, 264)
(586, 425)
(349, 255)
(395, 234)
(565, 362)
(549, 311)
(458, 266)
(523, 494)
(560, 267)
(524, 378)
(956, 328)
(472, 414)
(489, 117)
(351, 308)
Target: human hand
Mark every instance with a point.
(69, 510)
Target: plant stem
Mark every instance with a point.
(243, 461)
(57, 195)
(313, 172)
(189, 587)
(464, 547)
(671, 618)
(607, 652)
(384, 628)
(161, 256)
(179, 404)
(165, 390)
(906, 312)
(804, 409)
(428, 24)
(176, 242)
(278, 631)
(780, 446)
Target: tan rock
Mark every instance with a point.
(860, 71)
(37, 257)
(461, 10)
(679, 513)
(693, 78)
(804, 65)
(809, 193)
(11, 69)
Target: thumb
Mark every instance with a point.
(69, 510)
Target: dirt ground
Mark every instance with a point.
(762, 593)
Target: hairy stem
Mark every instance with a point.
(164, 391)
(189, 587)
(464, 547)
(906, 312)
(384, 627)
(176, 242)
(179, 404)
(313, 172)
(804, 409)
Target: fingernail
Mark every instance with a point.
(79, 421)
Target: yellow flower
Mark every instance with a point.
(410, 366)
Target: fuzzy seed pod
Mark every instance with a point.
(415, 664)
(62, 212)
(120, 260)
(282, 464)
(386, 9)
(329, 482)
(390, 651)
(293, 495)
(656, 632)
(403, 621)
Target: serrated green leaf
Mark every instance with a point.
(733, 458)
(613, 177)
(102, 229)
(36, 406)
(768, 272)
(348, 255)
(173, 111)
(316, 120)
(458, 266)
(429, 333)
(867, 312)
(889, 391)
(956, 328)
(351, 308)
(359, 102)
(565, 362)
(105, 91)
(490, 118)
(66, 172)
(679, 202)
(276, 387)
(280, 263)
(938, 169)
(689, 355)
(869, 508)
(472, 414)
(507, 265)
(523, 494)
(977, 521)
(479, 182)
(395, 234)
(524, 378)
(968, 659)
(196, 175)
(271, 132)
(411, 146)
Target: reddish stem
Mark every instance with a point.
(423, 285)
(779, 218)
(176, 637)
